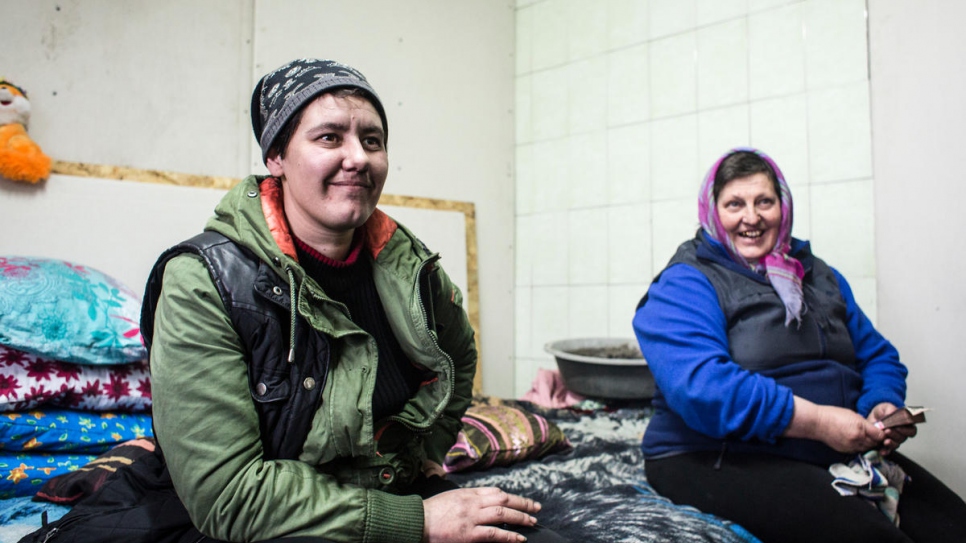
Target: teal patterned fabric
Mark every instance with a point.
(68, 312)
(63, 430)
(37, 446)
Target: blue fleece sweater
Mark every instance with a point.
(682, 333)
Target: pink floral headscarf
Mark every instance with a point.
(783, 272)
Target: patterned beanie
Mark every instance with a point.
(281, 93)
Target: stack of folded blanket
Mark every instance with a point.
(74, 381)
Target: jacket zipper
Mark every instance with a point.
(425, 319)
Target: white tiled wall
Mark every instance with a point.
(622, 105)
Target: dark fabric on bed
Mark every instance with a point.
(598, 492)
(71, 487)
(137, 504)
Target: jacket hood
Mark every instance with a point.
(252, 215)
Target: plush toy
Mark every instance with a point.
(20, 157)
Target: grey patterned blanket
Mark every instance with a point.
(597, 493)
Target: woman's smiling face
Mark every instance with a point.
(750, 211)
(334, 168)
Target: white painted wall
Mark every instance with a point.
(167, 86)
(918, 113)
(116, 227)
(623, 105)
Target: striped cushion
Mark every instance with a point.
(500, 435)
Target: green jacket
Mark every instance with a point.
(207, 424)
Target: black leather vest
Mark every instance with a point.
(257, 300)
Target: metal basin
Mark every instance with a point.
(607, 368)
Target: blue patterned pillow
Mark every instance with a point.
(24, 473)
(68, 312)
(64, 430)
(37, 446)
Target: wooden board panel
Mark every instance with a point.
(83, 214)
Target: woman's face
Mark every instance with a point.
(751, 213)
(334, 168)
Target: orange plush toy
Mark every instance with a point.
(20, 157)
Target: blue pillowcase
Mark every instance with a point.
(64, 430)
(68, 312)
(25, 473)
(37, 446)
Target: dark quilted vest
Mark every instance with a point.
(757, 335)
(816, 360)
(257, 300)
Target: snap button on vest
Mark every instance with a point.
(252, 194)
(261, 389)
(386, 476)
(308, 383)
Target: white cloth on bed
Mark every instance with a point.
(873, 477)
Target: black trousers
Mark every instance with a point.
(786, 501)
(430, 486)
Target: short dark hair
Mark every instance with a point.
(742, 164)
(288, 129)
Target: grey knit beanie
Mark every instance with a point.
(281, 93)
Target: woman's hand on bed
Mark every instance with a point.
(474, 515)
(893, 436)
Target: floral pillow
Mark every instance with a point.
(500, 435)
(28, 381)
(68, 312)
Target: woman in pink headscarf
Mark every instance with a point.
(768, 373)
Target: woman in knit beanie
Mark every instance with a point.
(389, 367)
(311, 360)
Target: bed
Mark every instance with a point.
(75, 389)
(74, 385)
(592, 487)
(597, 491)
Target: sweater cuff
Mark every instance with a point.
(785, 418)
(393, 519)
